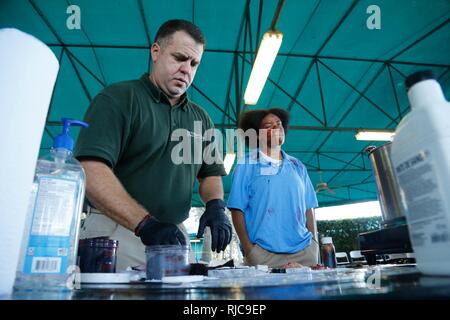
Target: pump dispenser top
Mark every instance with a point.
(64, 140)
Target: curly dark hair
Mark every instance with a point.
(252, 119)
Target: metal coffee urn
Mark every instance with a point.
(393, 237)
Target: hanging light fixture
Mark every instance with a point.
(375, 135)
(265, 58)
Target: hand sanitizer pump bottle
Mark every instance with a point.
(49, 246)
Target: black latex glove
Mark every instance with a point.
(153, 232)
(214, 217)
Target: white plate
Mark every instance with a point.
(182, 279)
(105, 278)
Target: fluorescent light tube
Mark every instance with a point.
(375, 135)
(265, 58)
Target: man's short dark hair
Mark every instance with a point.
(169, 27)
(252, 119)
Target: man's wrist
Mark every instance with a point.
(215, 203)
(141, 224)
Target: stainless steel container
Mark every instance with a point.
(387, 186)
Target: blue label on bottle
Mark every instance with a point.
(49, 244)
(46, 259)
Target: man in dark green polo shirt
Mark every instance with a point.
(139, 190)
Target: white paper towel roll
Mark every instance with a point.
(28, 70)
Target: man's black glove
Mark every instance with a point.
(214, 217)
(152, 232)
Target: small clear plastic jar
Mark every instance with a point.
(167, 260)
(97, 255)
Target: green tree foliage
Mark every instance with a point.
(345, 232)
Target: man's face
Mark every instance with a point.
(175, 63)
(272, 133)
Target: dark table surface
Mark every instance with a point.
(380, 282)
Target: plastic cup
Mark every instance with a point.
(167, 260)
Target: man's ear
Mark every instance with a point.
(155, 50)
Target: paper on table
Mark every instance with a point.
(28, 74)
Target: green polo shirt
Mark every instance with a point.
(130, 128)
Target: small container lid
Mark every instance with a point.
(418, 77)
(99, 243)
(167, 247)
(327, 240)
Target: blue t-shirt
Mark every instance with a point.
(274, 199)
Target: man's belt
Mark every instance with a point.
(93, 210)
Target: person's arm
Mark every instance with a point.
(311, 223)
(211, 188)
(241, 230)
(105, 191)
(107, 194)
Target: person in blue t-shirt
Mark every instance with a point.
(272, 197)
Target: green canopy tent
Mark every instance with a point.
(333, 73)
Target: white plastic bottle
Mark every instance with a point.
(49, 245)
(421, 158)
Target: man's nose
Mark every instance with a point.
(186, 67)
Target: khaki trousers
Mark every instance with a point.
(259, 256)
(131, 251)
